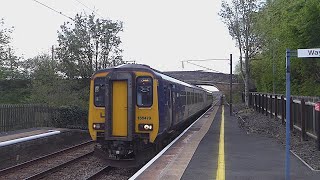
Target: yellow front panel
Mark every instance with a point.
(96, 114)
(148, 115)
(119, 108)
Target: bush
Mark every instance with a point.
(70, 117)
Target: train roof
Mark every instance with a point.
(148, 68)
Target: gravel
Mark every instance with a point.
(80, 169)
(47, 163)
(253, 122)
(119, 174)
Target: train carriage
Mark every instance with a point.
(134, 108)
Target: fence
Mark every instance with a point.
(15, 117)
(303, 116)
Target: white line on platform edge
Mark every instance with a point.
(28, 138)
(165, 149)
(305, 163)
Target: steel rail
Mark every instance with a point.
(56, 168)
(101, 171)
(27, 163)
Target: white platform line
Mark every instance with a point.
(305, 163)
(28, 138)
(138, 173)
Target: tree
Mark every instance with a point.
(4, 40)
(282, 24)
(88, 44)
(9, 62)
(239, 18)
(49, 87)
(41, 67)
(44, 79)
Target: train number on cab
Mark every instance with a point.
(144, 118)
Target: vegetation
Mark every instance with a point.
(277, 25)
(239, 18)
(262, 31)
(62, 79)
(288, 24)
(9, 62)
(90, 44)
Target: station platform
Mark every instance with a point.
(20, 134)
(23, 145)
(216, 148)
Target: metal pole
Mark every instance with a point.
(318, 132)
(287, 163)
(230, 84)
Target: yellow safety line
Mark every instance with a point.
(221, 174)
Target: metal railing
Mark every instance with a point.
(303, 116)
(15, 117)
(24, 116)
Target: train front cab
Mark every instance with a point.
(123, 115)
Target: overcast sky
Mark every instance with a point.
(159, 33)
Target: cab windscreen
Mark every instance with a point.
(99, 91)
(144, 91)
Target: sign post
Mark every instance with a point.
(287, 162)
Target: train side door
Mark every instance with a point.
(168, 105)
(171, 103)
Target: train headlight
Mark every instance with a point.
(145, 127)
(98, 126)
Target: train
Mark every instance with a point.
(134, 109)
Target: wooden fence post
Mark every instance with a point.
(259, 102)
(254, 102)
(303, 122)
(267, 104)
(262, 103)
(275, 107)
(270, 105)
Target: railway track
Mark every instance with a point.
(41, 167)
(56, 168)
(99, 173)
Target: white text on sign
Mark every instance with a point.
(308, 53)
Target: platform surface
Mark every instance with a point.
(11, 135)
(247, 156)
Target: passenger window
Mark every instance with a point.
(144, 91)
(99, 91)
(183, 97)
(192, 97)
